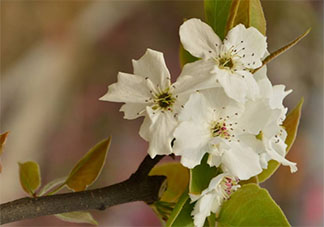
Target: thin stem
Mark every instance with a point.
(139, 187)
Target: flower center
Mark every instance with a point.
(226, 63)
(220, 129)
(229, 185)
(164, 100)
(259, 136)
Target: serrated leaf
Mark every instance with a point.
(282, 50)
(201, 175)
(185, 56)
(177, 180)
(29, 176)
(291, 126)
(251, 206)
(77, 217)
(217, 13)
(87, 170)
(48, 187)
(181, 214)
(249, 13)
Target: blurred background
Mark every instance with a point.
(59, 56)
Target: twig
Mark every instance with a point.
(139, 187)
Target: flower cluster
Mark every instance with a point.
(217, 107)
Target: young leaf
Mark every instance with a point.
(200, 176)
(217, 13)
(282, 50)
(249, 13)
(177, 180)
(29, 176)
(251, 206)
(3, 138)
(77, 217)
(185, 56)
(87, 170)
(48, 187)
(181, 214)
(291, 126)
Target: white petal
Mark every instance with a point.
(152, 65)
(233, 85)
(249, 43)
(190, 140)
(133, 110)
(160, 132)
(195, 76)
(276, 156)
(144, 131)
(252, 86)
(199, 38)
(256, 116)
(217, 98)
(278, 94)
(241, 161)
(203, 209)
(196, 109)
(129, 88)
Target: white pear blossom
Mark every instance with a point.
(149, 93)
(231, 61)
(210, 122)
(210, 200)
(270, 140)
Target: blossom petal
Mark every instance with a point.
(251, 84)
(199, 39)
(241, 161)
(129, 89)
(133, 110)
(248, 43)
(233, 85)
(280, 146)
(160, 132)
(152, 66)
(195, 76)
(190, 139)
(256, 116)
(203, 209)
(196, 109)
(144, 131)
(278, 94)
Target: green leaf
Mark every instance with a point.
(211, 220)
(77, 217)
(254, 180)
(177, 180)
(29, 176)
(291, 126)
(217, 13)
(181, 214)
(48, 187)
(249, 13)
(87, 170)
(282, 50)
(201, 175)
(251, 206)
(185, 56)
